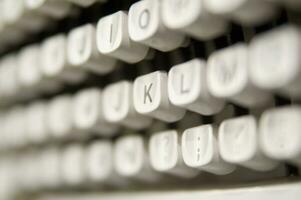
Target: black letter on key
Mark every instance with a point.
(183, 90)
(147, 93)
(144, 19)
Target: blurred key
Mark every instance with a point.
(151, 98)
(15, 127)
(2, 129)
(187, 88)
(82, 51)
(118, 106)
(16, 15)
(9, 34)
(53, 8)
(166, 155)
(9, 82)
(33, 171)
(280, 133)
(99, 162)
(7, 186)
(50, 160)
(36, 119)
(2, 88)
(113, 39)
(28, 73)
(1, 23)
(89, 113)
(146, 26)
(5, 142)
(239, 144)
(12, 11)
(228, 77)
(59, 117)
(72, 165)
(28, 176)
(275, 60)
(131, 159)
(200, 150)
(55, 65)
(191, 17)
(85, 3)
(247, 12)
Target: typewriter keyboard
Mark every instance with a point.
(137, 100)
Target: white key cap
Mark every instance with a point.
(2, 24)
(4, 133)
(28, 72)
(3, 41)
(200, 150)
(118, 106)
(85, 3)
(72, 167)
(131, 159)
(54, 60)
(50, 159)
(7, 184)
(99, 161)
(146, 26)
(36, 119)
(6, 141)
(280, 133)
(9, 83)
(28, 176)
(2, 89)
(187, 88)
(3, 184)
(59, 117)
(15, 15)
(239, 144)
(16, 126)
(228, 77)
(191, 17)
(2, 129)
(13, 129)
(22, 182)
(89, 113)
(12, 10)
(35, 170)
(151, 98)
(248, 12)
(4, 28)
(113, 39)
(166, 156)
(53, 8)
(82, 51)
(275, 60)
